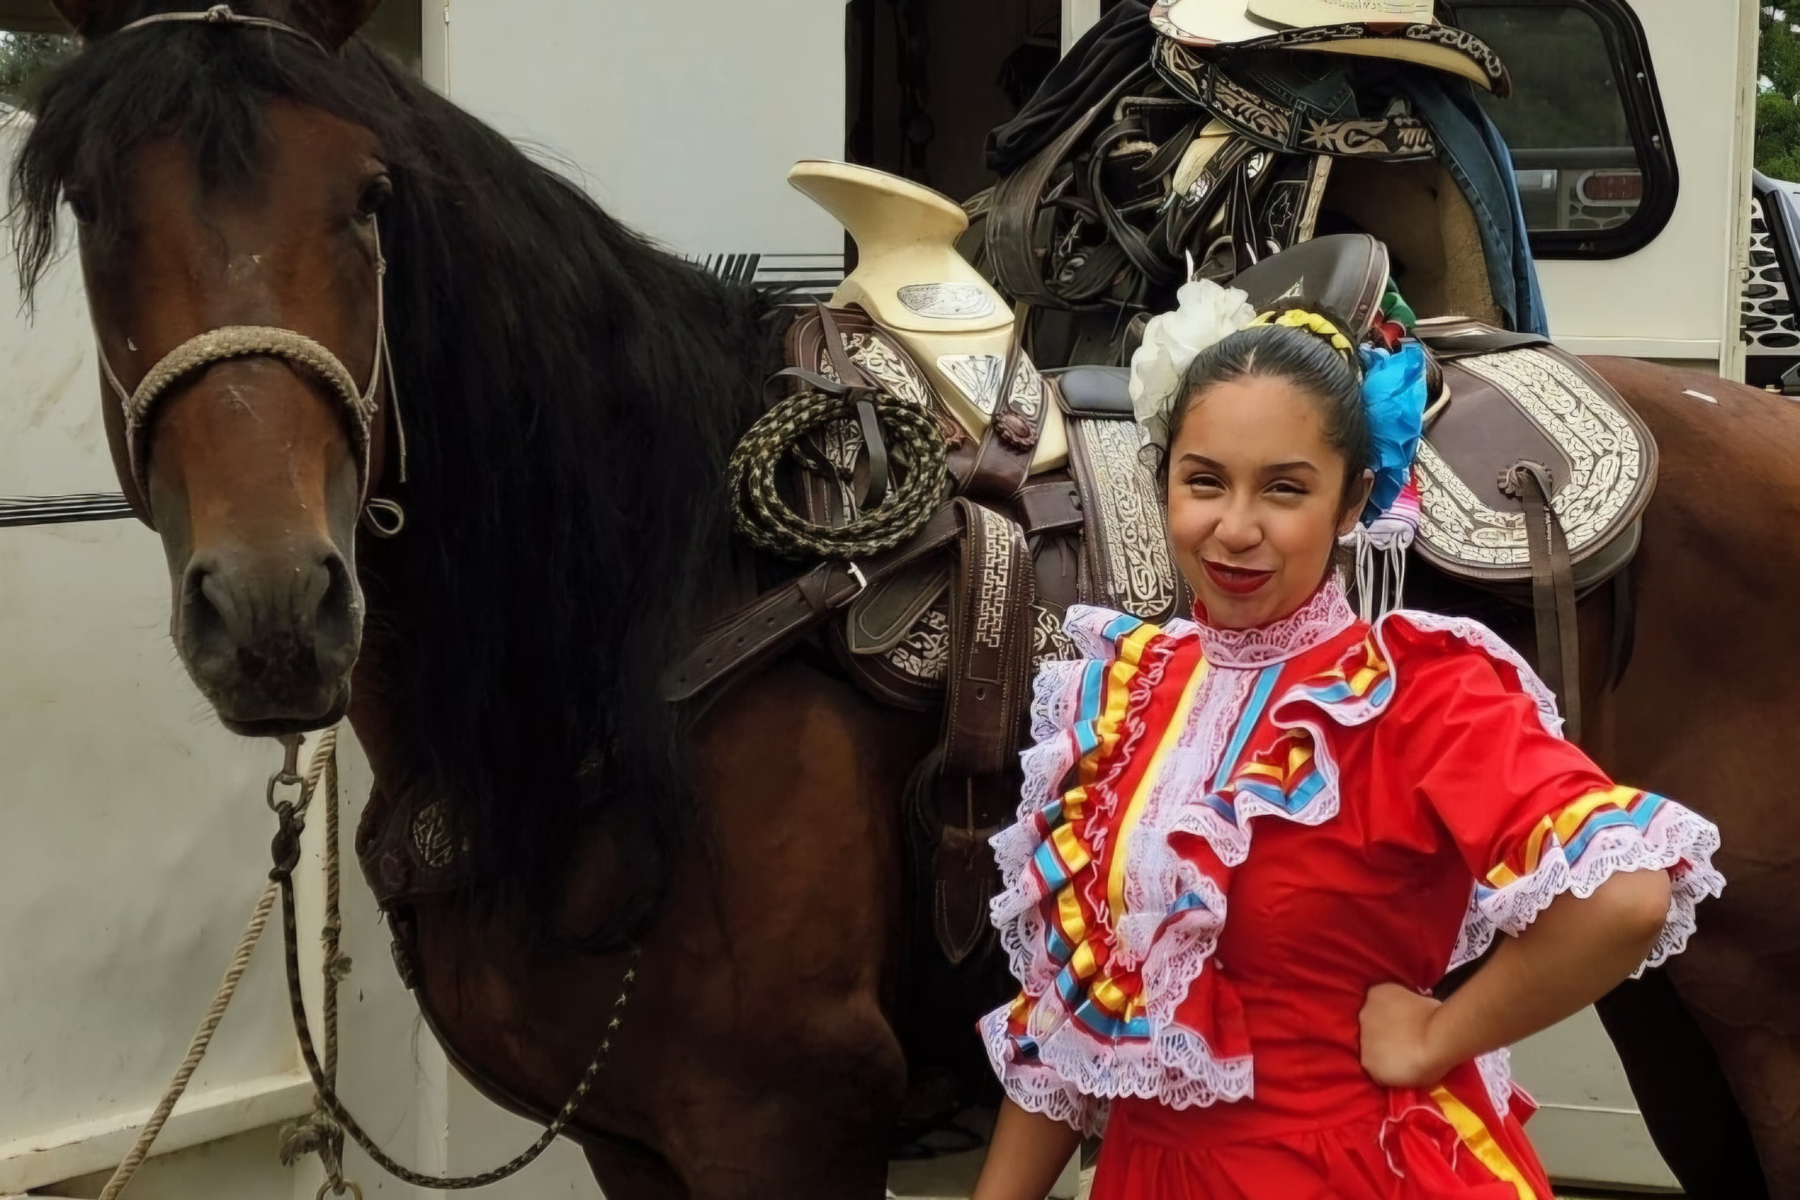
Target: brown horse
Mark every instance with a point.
(561, 400)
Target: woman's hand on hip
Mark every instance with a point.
(1396, 1037)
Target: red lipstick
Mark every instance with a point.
(1236, 580)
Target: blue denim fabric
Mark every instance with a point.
(1468, 146)
(1472, 150)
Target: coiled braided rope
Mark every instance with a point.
(767, 521)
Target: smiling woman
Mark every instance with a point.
(1411, 797)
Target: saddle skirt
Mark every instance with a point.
(1517, 398)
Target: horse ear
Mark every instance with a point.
(88, 17)
(335, 22)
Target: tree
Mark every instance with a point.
(1778, 105)
(25, 56)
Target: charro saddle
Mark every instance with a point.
(1532, 479)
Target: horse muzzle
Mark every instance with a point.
(271, 638)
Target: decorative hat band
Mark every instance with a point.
(1296, 318)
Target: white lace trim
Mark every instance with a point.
(1489, 643)
(1035, 1087)
(1496, 1073)
(1319, 620)
(1675, 836)
(1175, 1067)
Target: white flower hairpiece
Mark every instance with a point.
(1208, 314)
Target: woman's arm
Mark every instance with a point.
(1573, 954)
(1027, 1154)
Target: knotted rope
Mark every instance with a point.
(324, 1130)
(317, 1133)
(767, 521)
(240, 959)
(331, 1120)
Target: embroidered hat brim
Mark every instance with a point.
(1206, 24)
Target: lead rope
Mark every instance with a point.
(323, 1131)
(285, 851)
(318, 1133)
(240, 959)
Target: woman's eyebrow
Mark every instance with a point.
(1299, 464)
(1202, 460)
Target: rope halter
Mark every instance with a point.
(262, 341)
(232, 342)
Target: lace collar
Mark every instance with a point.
(1323, 617)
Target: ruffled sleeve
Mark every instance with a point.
(1530, 814)
(1099, 1016)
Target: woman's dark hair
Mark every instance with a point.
(1304, 359)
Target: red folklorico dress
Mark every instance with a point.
(1262, 825)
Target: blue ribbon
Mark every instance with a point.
(1394, 395)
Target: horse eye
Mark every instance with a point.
(80, 203)
(379, 191)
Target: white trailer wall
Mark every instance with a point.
(681, 119)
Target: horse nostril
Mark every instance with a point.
(215, 621)
(336, 620)
(211, 618)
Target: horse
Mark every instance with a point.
(553, 401)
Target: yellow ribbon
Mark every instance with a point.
(1296, 318)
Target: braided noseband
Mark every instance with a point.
(260, 341)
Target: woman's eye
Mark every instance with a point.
(1205, 482)
(1287, 487)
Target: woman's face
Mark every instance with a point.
(1256, 500)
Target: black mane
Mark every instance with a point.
(570, 394)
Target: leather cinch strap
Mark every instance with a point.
(990, 613)
(778, 618)
(1552, 589)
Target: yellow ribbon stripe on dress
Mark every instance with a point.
(1115, 884)
(1480, 1141)
(1296, 318)
(1565, 823)
(1118, 693)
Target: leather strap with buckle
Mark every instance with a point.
(1552, 588)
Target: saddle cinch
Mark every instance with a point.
(1052, 501)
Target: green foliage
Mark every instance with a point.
(1778, 107)
(23, 56)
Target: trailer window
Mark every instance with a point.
(1590, 145)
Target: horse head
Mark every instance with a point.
(237, 300)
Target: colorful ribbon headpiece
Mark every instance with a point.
(1299, 318)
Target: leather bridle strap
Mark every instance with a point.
(1552, 588)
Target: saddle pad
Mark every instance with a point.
(1127, 562)
(1541, 404)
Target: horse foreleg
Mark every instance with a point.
(626, 1174)
(799, 1118)
(1682, 1091)
(1743, 1000)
